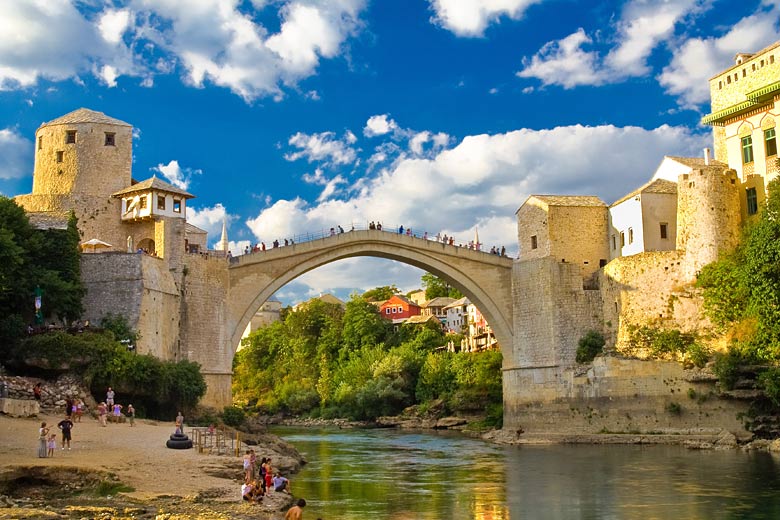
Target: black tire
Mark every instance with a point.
(179, 444)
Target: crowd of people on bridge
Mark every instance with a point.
(376, 225)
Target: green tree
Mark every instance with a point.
(363, 326)
(436, 287)
(379, 294)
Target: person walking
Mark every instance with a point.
(66, 425)
(110, 397)
(131, 414)
(37, 392)
(43, 433)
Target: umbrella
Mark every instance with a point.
(95, 244)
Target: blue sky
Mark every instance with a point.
(292, 116)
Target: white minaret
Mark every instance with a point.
(477, 245)
(222, 245)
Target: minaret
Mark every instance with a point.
(477, 245)
(222, 245)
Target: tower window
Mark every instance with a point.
(664, 230)
(614, 243)
(70, 137)
(622, 239)
(770, 141)
(142, 202)
(60, 156)
(177, 205)
(110, 139)
(40, 142)
(534, 243)
(161, 202)
(752, 201)
(630, 235)
(747, 149)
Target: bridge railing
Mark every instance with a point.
(323, 233)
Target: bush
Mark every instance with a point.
(769, 382)
(727, 366)
(233, 416)
(590, 345)
(698, 355)
(674, 408)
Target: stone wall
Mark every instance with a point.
(53, 393)
(731, 86)
(618, 396)
(205, 339)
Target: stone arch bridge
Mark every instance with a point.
(253, 278)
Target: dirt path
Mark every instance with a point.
(137, 455)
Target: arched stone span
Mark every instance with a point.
(484, 278)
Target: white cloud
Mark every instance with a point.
(471, 17)
(324, 147)
(213, 41)
(176, 175)
(330, 185)
(695, 59)
(16, 155)
(643, 26)
(210, 220)
(379, 125)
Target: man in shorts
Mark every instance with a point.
(110, 398)
(296, 511)
(66, 425)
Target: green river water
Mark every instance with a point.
(391, 474)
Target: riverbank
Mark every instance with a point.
(120, 471)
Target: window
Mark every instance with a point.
(60, 155)
(40, 142)
(395, 310)
(664, 230)
(622, 239)
(747, 149)
(110, 139)
(177, 205)
(630, 235)
(161, 202)
(70, 137)
(142, 202)
(387, 310)
(614, 243)
(752, 201)
(534, 243)
(770, 142)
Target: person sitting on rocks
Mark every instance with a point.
(281, 484)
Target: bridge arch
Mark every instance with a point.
(484, 278)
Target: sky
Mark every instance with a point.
(286, 117)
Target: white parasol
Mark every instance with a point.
(94, 244)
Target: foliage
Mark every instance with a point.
(30, 258)
(379, 294)
(666, 343)
(155, 387)
(769, 382)
(436, 287)
(590, 345)
(727, 365)
(118, 325)
(233, 416)
(674, 408)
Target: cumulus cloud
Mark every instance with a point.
(470, 18)
(641, 28)
(176, 175)
(330, 186)
(207, 41)
(485, 178)
(16, 154)
(695, 59)
(379, 125)
(323, 147)
(210, 219)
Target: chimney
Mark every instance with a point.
(706, 156)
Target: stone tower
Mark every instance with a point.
(708, 215)
(82, 153)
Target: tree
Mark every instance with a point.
(381, 293)
(435, 287)
(363, 326)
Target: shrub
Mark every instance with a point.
(769, 382)
(233, 416)
(590, 345)
(674, 408)
(727, 366)
(698, 355)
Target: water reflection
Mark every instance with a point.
(385, 474)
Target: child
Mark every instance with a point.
(52, 444)
(79, 409)
(131, 414)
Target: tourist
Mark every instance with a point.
(247, 466)
(68, 407)
(262, 473)
(252, 463)
(79, 409)
(379, 226)
(43, 433)
(66, 425)
(180, 423)
(131, 414)
(296, 511)
(503, 251)
(281, 484)
(400, 230)
(117, 412)
(371, 225)
(52, 444)
(102, 410)
(262, 246)
(110, 397)
(269, 472)
(341, 229)
(37, 391)
(247, 490)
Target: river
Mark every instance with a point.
(401, 475)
